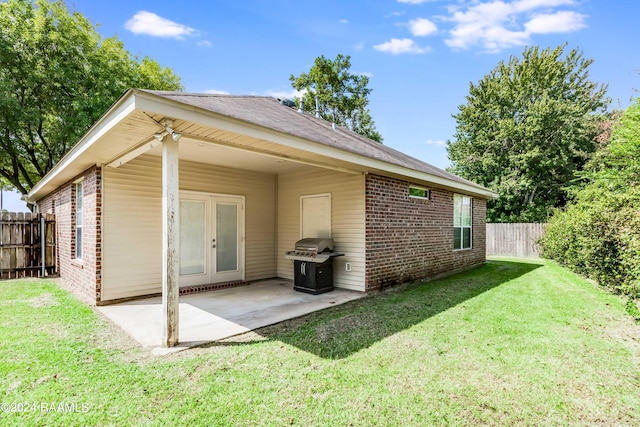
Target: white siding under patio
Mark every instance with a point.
(347, 220)
(132, 221)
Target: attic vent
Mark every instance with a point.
(287, 102)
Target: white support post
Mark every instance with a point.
(170, 240)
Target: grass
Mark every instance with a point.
(510, 343)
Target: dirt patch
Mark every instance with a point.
(14, 386)
(246, 338)
(44, 300)
(45, 379)
(120, 345)
(626, 332)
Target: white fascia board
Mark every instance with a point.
(423, 176)
(121, 109)
(176, 109)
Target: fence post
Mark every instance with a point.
(42, 246)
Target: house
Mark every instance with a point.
(178, 192)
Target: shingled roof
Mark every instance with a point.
(268, 112)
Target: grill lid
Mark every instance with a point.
(315, 245)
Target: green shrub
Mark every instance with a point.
(598, 233)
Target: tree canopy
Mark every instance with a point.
(526, 128)
(342, 96)
(57, 77)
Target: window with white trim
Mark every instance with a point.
(462, 209)
(78, 220)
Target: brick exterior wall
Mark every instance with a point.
(83, 276)
(409, 238)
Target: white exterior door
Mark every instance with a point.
(211, 238)
(227, 239)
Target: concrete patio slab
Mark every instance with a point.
(215, 315)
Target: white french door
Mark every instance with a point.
(211, 238)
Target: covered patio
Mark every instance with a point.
(171, 190)
(216, 315)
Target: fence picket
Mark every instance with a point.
(517, 240)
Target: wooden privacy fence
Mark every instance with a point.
(517, 240)
(21, 243)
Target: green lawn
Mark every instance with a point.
(511, 343)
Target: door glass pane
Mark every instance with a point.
(226, 237)
(192, 237)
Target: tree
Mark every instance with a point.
(57, 77)
(342, 96)
(526, 128)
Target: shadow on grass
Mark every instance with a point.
(340, 331)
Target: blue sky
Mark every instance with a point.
(420, 55)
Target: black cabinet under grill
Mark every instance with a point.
(313, 265)
(312, 277)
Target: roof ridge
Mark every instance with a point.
(201, 94)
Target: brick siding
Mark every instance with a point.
(409, 238)
(83, 276)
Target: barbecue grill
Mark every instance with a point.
(313, 265)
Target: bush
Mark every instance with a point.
(601, 244)
(598, 233)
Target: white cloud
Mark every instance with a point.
(284, 94)
(494, 25)
(398, 46)
(216, 92)
(204, 43)
(344, 21)
(413, 1)
(438, 142)
(525, 5)
(422, 27)
(149, 23)
(560, 22)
